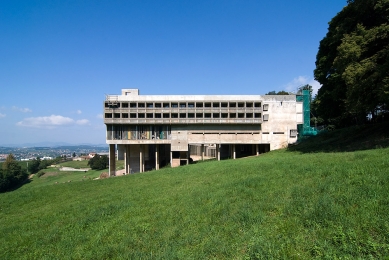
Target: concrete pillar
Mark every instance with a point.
(112, 160)
(128, 165)
(171, 158)
(233, 152)
(202, 152)
(157, 157)
(218, 152)
(141, 158)
(125, 159)
(256, 149)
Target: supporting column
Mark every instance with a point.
(233, 152)
(157, 157)
(256, 149)
(140, 158)
(171, 157)
(112, 160)
(125, 159)
(218, 152)
(128, 165)
(202, 152)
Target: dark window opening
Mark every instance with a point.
(141, 115)
(199, 115)
(125, 105)
(216, 115)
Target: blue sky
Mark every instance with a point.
(58, 59)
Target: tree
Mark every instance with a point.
(352, 63)
(33, 167)
(282, 92)
(11, 174)
(98, 162)
(74, 154)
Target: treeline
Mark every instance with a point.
(11, 174)
(352, 65)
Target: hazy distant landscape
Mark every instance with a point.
(35, 150)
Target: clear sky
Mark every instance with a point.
(59, 58)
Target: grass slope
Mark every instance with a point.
(281, 205)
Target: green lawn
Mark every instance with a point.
(288, 204)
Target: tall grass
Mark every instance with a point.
(281, 205)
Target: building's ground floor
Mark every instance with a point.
(147, 157)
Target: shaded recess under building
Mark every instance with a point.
(152, 131)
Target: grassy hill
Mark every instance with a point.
(317, 199)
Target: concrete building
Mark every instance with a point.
(152, 131)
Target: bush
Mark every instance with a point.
(39, 174)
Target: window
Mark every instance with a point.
(182, 115)
(141, 115)
(199, 115)
(158, 115)
(124, 115)
(132, 105)
(108, 115)
(265, 107)
(116, 115)
(150, 105)
(249, 104)
(232, 104)
(216, 115)
(293, 133)
(257, 115)
(142, 105)
(157, 105)
(182, 105)
(232, 115)
(240, 104)
(175, 105)
(207, 104)
(149, 115)
(166, 105)
(216, 104)
(266, 117)
(191, 104)
(199, 104)
(132, 115)
(166, 115)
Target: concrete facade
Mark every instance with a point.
(152, 131)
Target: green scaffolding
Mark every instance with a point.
(305, 129)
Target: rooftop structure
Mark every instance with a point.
(152, 131)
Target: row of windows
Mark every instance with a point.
(181, 104)
(182, 115)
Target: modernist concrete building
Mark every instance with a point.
(151, 131)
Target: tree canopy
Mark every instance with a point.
(11, 174)
(352, 63)
(98, 162)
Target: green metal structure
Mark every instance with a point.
(305, 129)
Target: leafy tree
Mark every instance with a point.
(33, 167)
(352, 63)
(282, 92)
(99, 162)
(11, 174)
